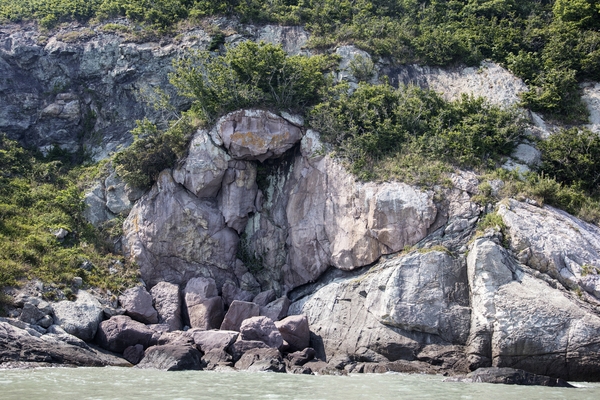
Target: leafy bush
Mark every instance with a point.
(249, 74)
(572, 157)
(153, 150)
(377, 122)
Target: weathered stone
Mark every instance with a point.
(277, 309)
(557, 243)
(174, 236)
(237, 195)
(177, 337)
(261, 360)
(237, 313)
(167, 302)
(509, 376)
(137, 303)
(134, 354)
(119, 196)
(216, 358)
(204, 167)
(95, 205)
(399, 305)
(172, 358)
(262, 329)
(120, 332)
(207, 314)
(213, 340)
(240, 347)
(264, 298)
(256, 134)
(19, 345)
(300, 358)
(81, 317)
(295, 331)
(232, 292)
(34, 310)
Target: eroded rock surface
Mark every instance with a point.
(174, 236)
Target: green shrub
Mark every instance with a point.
(377, 122)
(249, 74)
(153, 150)
(572, 157)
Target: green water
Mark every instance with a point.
(131, 383)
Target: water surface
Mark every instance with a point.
(130, 383)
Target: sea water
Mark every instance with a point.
(131, 383)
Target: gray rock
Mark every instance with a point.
(256, 134)
(277, 309)
(264, 298)
(231, 292)
(207, 314)
(137, 303)
(213, 340)
(19, 345)
(240, 347)
(174, 236)
(295, 331)
(34, 310)
(261, 360)
(167, 302)
(204, 167)
(134, 354)
(120, 332)
(203, 305)
(554, 242)
(172, 358)
(237, 195)
(237, 313)
(509, 376)
(262, 329)
(216, 358)
(81, 317)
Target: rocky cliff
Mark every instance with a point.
(260, 214)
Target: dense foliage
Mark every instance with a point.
(38, 197)
(552, 45)
(153, 150)
(377, 122)
(248, 75)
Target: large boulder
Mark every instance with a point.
(80, 317)
(203, 305)
(261, 360)
(237, 313)
(256, 134)
(204, 167)
(262, 329)
(213, 340)
(295, 331)
(34, 310)
(120, 332)
(26, 345)
(276, 309)
(137, 303)
(172, 358)
(167, 302)
(174, 236)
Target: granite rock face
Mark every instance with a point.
(174, 236)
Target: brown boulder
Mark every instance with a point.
(260, 360)
(172, 358)
(294, 330)
(120, 332)
(237, 313)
